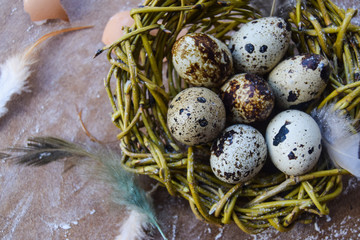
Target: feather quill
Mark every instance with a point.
(16, 70)
(341, 142)
(107, 168)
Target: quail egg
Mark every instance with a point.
(196, 116)
(294, 142)
(238, 154)
(247, 98)
(299, 80)
(202, 60)
(260, 44)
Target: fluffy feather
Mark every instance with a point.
(339, 139)
(126, 193)
(107, 168)
(133, 227)
(16, 70)
(13, 79)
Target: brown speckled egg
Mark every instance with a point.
(247, 98)
(299, 80)
(260, 44)
(202, 60)
(238, 154)
(196, 116)
(294, 142)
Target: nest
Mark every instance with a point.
(142, 81)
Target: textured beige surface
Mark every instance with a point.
(57, 201)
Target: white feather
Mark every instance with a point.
(134, 226)
(345, 153)
(341, 143)
(15, 72)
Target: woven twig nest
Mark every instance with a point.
(142, 81)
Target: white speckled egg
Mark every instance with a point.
(299, 80)
(260, 44)
(294, 142)
(238, 154)
(247, 98)
(202, 60)
(196, 116)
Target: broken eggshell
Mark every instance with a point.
(114, 27)
(294, 142)
(42, 10)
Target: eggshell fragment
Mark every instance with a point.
(238, 154)
(247, 98)
(294, 142)
(196, 116)
(260, 44)
(40, 10)
(202, 60)
(299, 80)
(113, 29)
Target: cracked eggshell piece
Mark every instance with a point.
(294, 142)
(260, 44)
(202, 60)
(40, 10)
(238, 154)
(114, 27)
(196, 116)
(299, 80)
(247, 98)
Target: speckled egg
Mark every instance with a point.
(294, 142)
(299, 80)
(247, 98)
(260, 44)
(196, 116)
(202, 60)
(238, 154)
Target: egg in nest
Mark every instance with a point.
(299, 80)
(202, 60)
(196, 116)
(247, 98)
(238, 154)
(294, 142)
(260, 44)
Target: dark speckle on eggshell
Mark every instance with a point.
(311, 150)
(281, 135)
(201, 99)
(292, 156)
(311, 61)
(203, 122)
(263, 48)
(292, 96)
(218, 146)
(249, 48)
